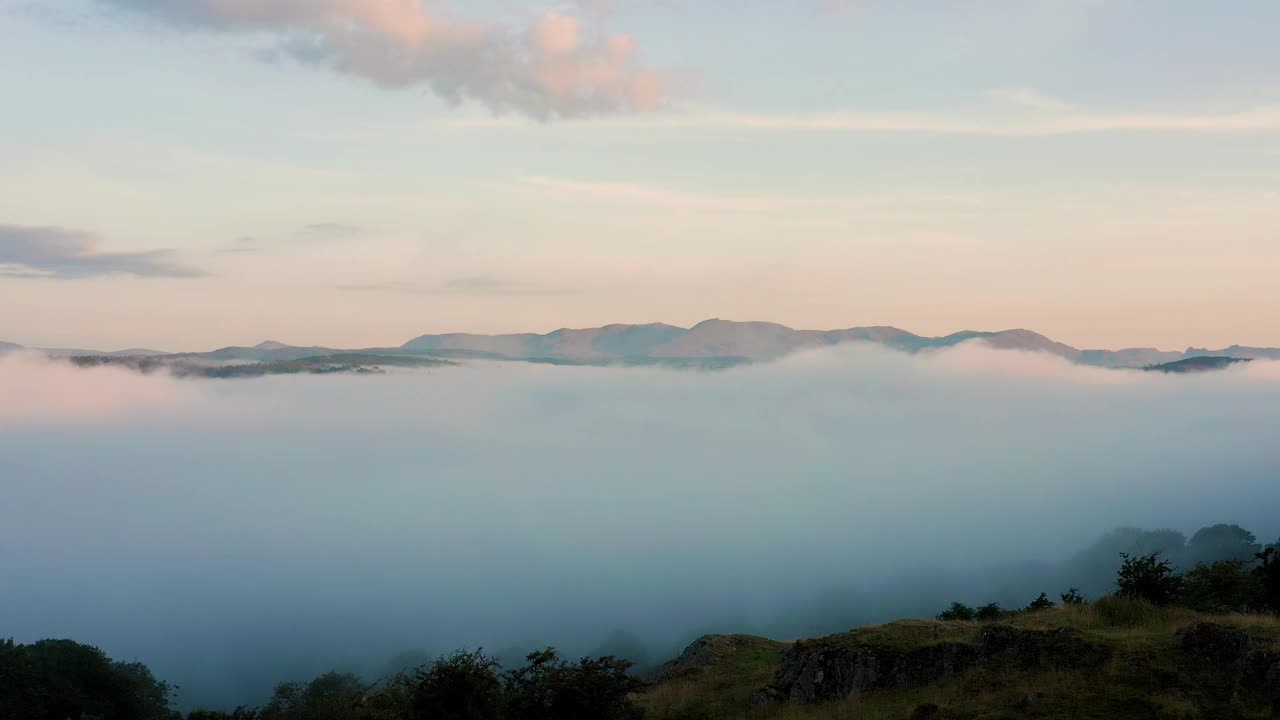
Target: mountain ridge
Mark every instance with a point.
(714, 339)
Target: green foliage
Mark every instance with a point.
(1041, 603)
(1267, 578)
(1225, 586)
(548, 688)
(462, 686)
(1148, 577)
(60, 679)
(989, 612)
(957, 612)
(332, 696)
(1073, 597)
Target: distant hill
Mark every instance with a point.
(708, 344)
(748, 341)
(1198, 364)
(313, 365)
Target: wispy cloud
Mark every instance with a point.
(53, 252)
(1006, 113)
(240, 245)
(556, 66)
(329, 231)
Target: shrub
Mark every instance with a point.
(957, 612)
(462, 686)
(1225, 586)
(547, 688)
(1041, 603)
(1073, 597)
(332, 696)
(1267, 578)
(1147, 577)
(989, 612)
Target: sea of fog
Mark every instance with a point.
(236, 533)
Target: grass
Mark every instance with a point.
(1143, 679)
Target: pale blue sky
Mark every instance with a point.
(1104, 171)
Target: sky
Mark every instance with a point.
(188, 174)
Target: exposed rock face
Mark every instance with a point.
(703, 652)
(838, 667)
(819, 672)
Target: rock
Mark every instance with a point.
(764, 696)
(1213, 644)
(841, 666)
(820, 671)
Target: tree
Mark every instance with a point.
(59, 679)
(462, 686)
(332, 696)
(1147, 577)
(548, 688)
(1073, 597)
(1221, 542)
(1041, 603)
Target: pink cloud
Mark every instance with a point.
(557, 66)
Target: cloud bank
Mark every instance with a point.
(236, 534)
(53, 252)
(556, 66)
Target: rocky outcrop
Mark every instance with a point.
(841, 666)
(818, 672)
(1236, 660)
(706, 651)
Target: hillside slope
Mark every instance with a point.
(1088, 661)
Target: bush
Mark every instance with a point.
(332, 696)
(1073, 597)
(989, 612)
(1041, 603)
(462, 686)
(547, 688)
(1267, 578)
(957, 612)
(1147, 577)
(1223, 587)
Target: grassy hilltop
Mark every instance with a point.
(1115, 658)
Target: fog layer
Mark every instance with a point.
(233, 534)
